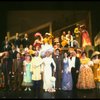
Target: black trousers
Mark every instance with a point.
(74, 77)
(37, 87)
(16, 82)
(7, 80)
(58, 79)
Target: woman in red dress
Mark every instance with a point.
(85, 37)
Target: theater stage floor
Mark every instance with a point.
(95, 93)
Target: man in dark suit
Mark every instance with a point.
(25, 41)
(17, 41)
(74, 63)
(13, 56)
(6, 69)
(6, 44)
(13, 52)
(59, 61)
(17, 70)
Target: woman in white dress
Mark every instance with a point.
(47, 83)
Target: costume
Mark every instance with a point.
(47, 84)
(6, 69)
(85, 39)
(86, 77)
(66, 77)
(25, 42)
(27, 77)
(37, 71)
(59, 61)
(18, 73)
(74, 63)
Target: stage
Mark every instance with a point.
(60, 94)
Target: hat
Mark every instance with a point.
(70, 49)
(95, 53)
(47, 33)
(37, 34)
(83, 25)
(46, 48)
(77, 24)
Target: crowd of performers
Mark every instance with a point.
(43, 65)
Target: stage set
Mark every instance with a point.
(49, 54)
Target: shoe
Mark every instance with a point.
(46, 90)
(29, 89)
(59, 88)
(25, 89)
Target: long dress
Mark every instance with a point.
(85, 39)
(47, 83)
(27, 78)
(66, 77)
(95, 67)
(86, 77)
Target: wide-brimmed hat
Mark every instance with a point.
(37, 34)
(46, 48)
(95, 53)
(47, 34)
(71, 49)
(83, 25)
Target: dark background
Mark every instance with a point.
(92, 6)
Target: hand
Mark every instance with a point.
(62, 71)
(13, 73)
(2, 73)
(24, 73)
(77, 71)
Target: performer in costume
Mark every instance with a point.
(47, 76)
(17, 70)
(37, 73)
(96, 61)
(64, 39)
(39, 39)
(66, 75)
(77, 34)
(7, 63)
(58, 58)
(25, 41)
(27, 77)
(86, 77)
(74, 63)
(85, 37)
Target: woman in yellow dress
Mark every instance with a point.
(86, 77)
(48, 38)
(96, 61)
(31, 51)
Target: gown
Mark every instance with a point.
(66, 76)
(86, 77)
(27, 77)
(47, 83)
